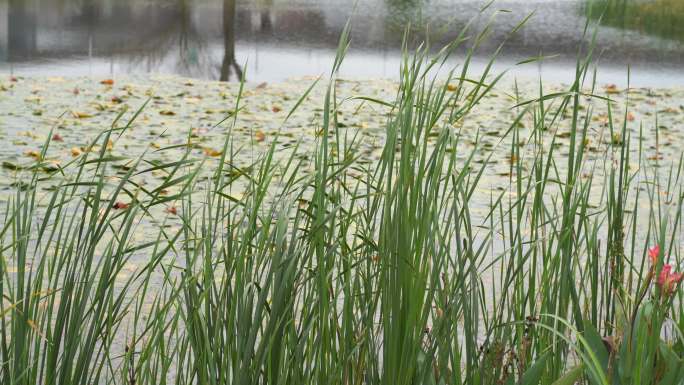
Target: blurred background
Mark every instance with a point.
(272, 40)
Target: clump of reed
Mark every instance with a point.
(353, 273)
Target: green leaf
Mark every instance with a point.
(571, 377)
(595, 343)
(533, 374)
(673, 371)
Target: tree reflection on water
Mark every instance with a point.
(662, 18)
(230, 64)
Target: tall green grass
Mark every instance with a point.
(353, 272)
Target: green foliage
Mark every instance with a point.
(662, 18)
(355, 273)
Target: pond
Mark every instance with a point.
(147, 197)
(272, 40)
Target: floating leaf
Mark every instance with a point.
(611, 89)
(120, 205)
(107, 82)
(29, 134)
(75, 151)
(11, 166)
(57, 138)
(167, 113)
(259, 136)
(276, 109)
(81, 115)
(172, 210)
(512, 158)
(33, 154)
(197, 132)
(211, 152)
(669, 110)
(51, 166)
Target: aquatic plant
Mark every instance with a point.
(352, 272)
(638, 353)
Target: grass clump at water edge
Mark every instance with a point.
(355, 272)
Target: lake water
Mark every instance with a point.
(272, 40)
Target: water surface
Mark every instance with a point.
(272, 40)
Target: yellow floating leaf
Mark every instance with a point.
(211, 152)
(75, 151)
(29, 134)
(33, 154)
(33, 99)
(611, 89)
(259, 136)
(167, 113)
(81, 115)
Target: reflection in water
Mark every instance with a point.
(21, 30)
(190, 43)
(662, 18)
(281, 38)
(169, 37)
(229, 62)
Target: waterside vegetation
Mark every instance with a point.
(357, 272)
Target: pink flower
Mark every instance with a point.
(653, 253)
(667, 280)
